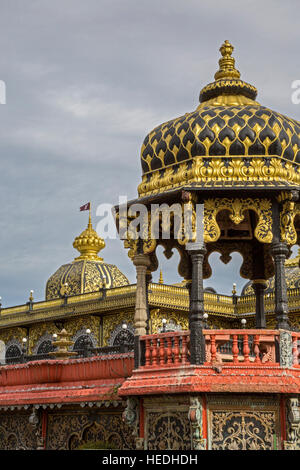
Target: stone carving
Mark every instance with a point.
(131, 415)
(168, 430)
(293, 429)
(285, 349)
(35, 422)
(195, 418)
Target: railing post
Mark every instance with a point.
(235, 349)
(169, 350)
(246, 349)
(147, 352)
(184, 349)
(213, 349)
(256, 349)
(176, 349)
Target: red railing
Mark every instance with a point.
(240, 346)
(166, 349)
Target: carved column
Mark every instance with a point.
(195, 418)
(141, 263)
(131, 416)
(36, 424)
(197, 340)
(280, 252)
(293, 424)
(259, 286)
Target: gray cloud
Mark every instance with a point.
(86, 81)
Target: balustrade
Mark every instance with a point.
(235, 346)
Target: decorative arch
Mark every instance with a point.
(44, 344)
(81, 336)
(244, 248)
(237, 207)
(13, 351)
(117, 334)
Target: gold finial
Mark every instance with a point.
(62, 342)
(88, 243)
(226, 63)
(161, 280)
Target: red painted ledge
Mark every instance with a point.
(219, 379)
(64, 381)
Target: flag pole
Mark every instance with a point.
(90, 219)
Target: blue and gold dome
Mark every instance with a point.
(88, 272)
(230, 140)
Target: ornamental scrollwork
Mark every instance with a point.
(287, 216)
(237, 207)
(161, 224)
(176, 320)
(243, 430)
(285, 348)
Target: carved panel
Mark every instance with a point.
(15, 432)
(168, 430)
(242, 430)
(243, 423)
(67, 430)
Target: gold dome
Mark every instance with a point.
(230, 140)
(88, 272)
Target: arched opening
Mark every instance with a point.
(225, 275)
(13, 354)
(45, 347)
(84, 341)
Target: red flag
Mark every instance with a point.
(86, 207)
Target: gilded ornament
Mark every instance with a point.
(237, 207)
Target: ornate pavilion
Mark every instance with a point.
(156, 366)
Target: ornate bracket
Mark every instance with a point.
(287, 216)
(237, 207)
(163, 224)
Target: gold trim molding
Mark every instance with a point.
(227, 171)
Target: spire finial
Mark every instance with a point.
(90, 217)
(161, 280)
(88, 243)
(226, 63)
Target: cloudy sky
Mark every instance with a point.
(85, 82)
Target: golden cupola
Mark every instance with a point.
(229, 141)
(87, 272)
